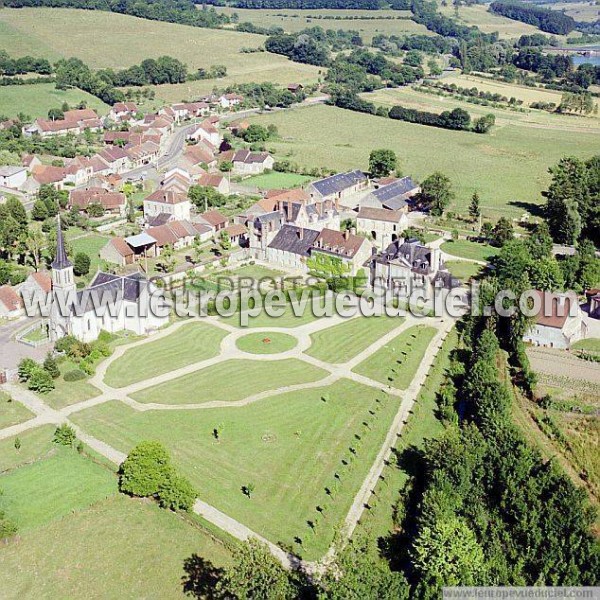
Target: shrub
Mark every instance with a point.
(145, 469)
(64, 435)
(74, 375)
(26, 368)
(176, 493)
(7, 527)
(64, 344)
(40, 381)
(51, 367)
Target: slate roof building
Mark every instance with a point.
(406, 265)
(338, 187)
(393, 196)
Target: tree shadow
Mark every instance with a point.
(535, 210)
(201, 578)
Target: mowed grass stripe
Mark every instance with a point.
(396, 363)
(51, 488)
(231, 381)
(340, 343)
(191, 343)
(289, 446)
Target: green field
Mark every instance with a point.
(276, 180)
(91, 245)
(340, 343)
(35, 100)
(591, 345)
(49, 489)
(470, 250)
(463, 270)
(580, 11)
(292, 20)
(289, 447)
(191, 343)
(117, 546)
(396, 362)
(266, 343)
(103, 39)
(508, 167)
(12, 412)
(231, 381)
(287, 319)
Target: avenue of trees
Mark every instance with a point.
(550, 21)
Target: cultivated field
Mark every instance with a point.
(508, 166)
(103, 39)
(388, 22)
(580, 11)
(488, 22)
(36, 99)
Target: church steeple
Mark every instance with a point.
(60, 260)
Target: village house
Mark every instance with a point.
(11, 304)
(78, 171)
(246, 162)
(200, 154)
(406, 265)
(177, 179)
(73, 121)
(116, 158)
(216, 181)
(117, 251)
(230, 100)
(12, 177)
(48, 175)
(29, 161)
(169, 202)
(213, 219)
(206, 131)
(559, 321)
(111, 202)
(593, 299)
(39, 282)
(339, 187)
(123, 111)
(142, 154)
(197, 109)
(238, 234)
(382, 226)
(295, 87)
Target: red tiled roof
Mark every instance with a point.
(166, 197)
(44, 280)
(80, 114)
(210, 180)
(48, 174)
(108, 200)
(236, 229)
(214, 217)
(344, 244)
(10, 298)
(163, 235)
(555, 309)
(121, 246)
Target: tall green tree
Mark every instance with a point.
(382, 162)
(474, 207)
(436, 193)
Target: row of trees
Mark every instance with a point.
(25, 64)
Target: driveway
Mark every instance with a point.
(11, 351)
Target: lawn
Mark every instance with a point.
(231, 381)
(591, 345)
(340, 343)
(191, 343)
(91, 245)
(470, 250)
(289, 447)
(508, 167)
(97, 38)
(66, 393)
(266, 343)
(12, 412)
(35, 444)
(276, 180)
(114, 547)
(49, 489)
(465, 271)
(36, 99)
(396, 362)
(423, 424)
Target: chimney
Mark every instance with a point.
(289, 210)
(346, 234)
(301, 233)
(353, 230)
